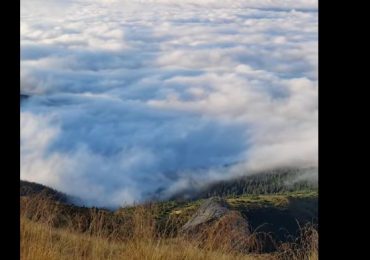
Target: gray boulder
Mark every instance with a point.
(212, 209)
(215, 222)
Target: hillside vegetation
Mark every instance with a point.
(31, 188)
(283, 225)
(269, 182)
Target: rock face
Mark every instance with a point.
(212, 209)
(215, 222)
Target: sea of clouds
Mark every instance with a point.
(133, 98)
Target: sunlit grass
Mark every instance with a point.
(49, 232)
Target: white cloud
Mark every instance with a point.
(135, 98)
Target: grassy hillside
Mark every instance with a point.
(42, 242)
(280, 214)
(282, 221)
(132, 235)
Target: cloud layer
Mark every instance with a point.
(132, 98)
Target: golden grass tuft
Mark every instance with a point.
(305, 247)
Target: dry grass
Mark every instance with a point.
(42, 242)
(305, 247)
(49, 231)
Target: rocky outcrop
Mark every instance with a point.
(216, 222)
(212, 209)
